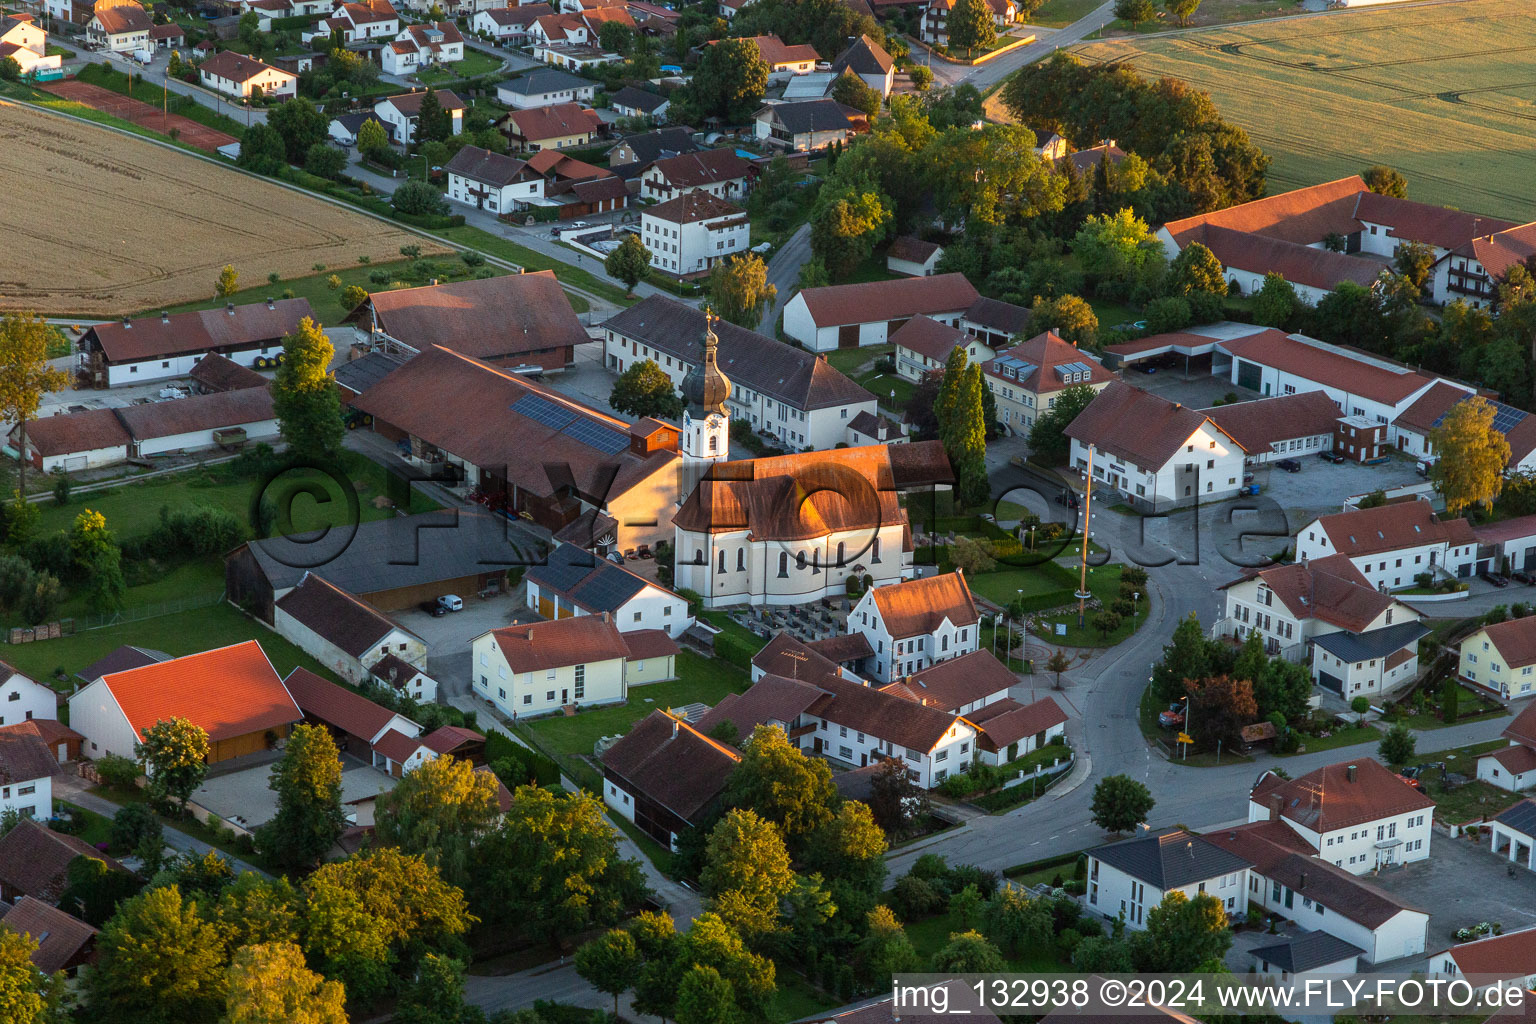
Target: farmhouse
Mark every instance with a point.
(1357, 815)
(232, 693)
(342, 632)
(27, 768)
(1501, 657)
(238, 75)
(1392, 544)
(720, 172)
(858, 315)
(807, 126)
(558, 126)
(783, 392)
(688, 235)
(122, 28)
(543, 87)
(518, 320)
(913, 624)
(159, 347)
(421, 46)
(572, 582)
(545, 666)
(509, 24)
(399, 113)
(22, 699)
(1282, 427)
(666, 776)
(1026, 379)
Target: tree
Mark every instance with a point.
(1181, 9)
(894, 799)
(352, 296)
(10, 69)
(27, 995)
(1135, 11)
(1016, 923)
(97, 558)
(250, 32)
(301, 126)
(781, 784)
(1120, 803)
(158, 960)
(325, 161)
(1048, 438)
(136, 830)
(990, 176)
(175, 756)
(970, 25)
(712, 943)
(850, 216)
(1119, 252)
(304, 395)
(1471, 456)
(922, 77)
(309, 816)
(851, 846)
(629, 262)
(1396, 747)
(1450, 700)
(269, 984)
(1101, 954)
(962, 426)
(615, 37)
(419, 199)
(747, 871)
(1385, 181)
(1414, 261)
(371, 138)
(1070, 317)
(1058, 663)
(252, 910)
(1222, 705)
(704, 997)
(440, 811)
(1275, 304)
(228, 283)
(885, 949)
(437, 996)
(644, 389)
(968, 953)
(1360, 705)
(1106, 622)
(611, 962)
(851, 91)
(433, 123)
(1186, 656)
(728, 82)
(25, 377)
(261, 150)
(1196, 269)
(1183, 933)
(739, 290)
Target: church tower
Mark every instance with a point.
(706, 434)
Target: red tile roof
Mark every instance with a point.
(336, 705)
(1420, 222)
(955, 682)
(448, 738)
(691, 207)
(155, 337)
(1046, 352)
(396, 746)
(409, 103)
(775, 51)
(67, 433)
(229, 691)
(1512, 954)
(669, 761)
(1330, 589)
(912, 250)
(707, 167)
(197, 413)
(1403, 524)
(123, 18)
(537, 124)
(60, 937)
(1305, 215)
(1523, 728)
(839, 304)
(1505, 530)
(1007, 721)
(1326, 800)
(579, 639)
(1498, 252)
(34, 859)
(1367, 376)
(495, 318)
(1516, 758)
(349, 622)
(928, 337)
(220, 373)
(917, 606)
(1297, 263)
(237, 67)
(1138, 426)
(1259, 424)
(25, 756)
(1263, 844)
(1438, 400)
(645, 644)
(1515, 640)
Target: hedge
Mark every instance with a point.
(734, 650)
(428, 220)
(295, 21)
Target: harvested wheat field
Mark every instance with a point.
(115, 224)
(1443, 92)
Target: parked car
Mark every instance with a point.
(1289, 465)
(1173, 718)
(1148, 369)
(451, 603)
(432, 608)
(1521, 576)
(1421, 468)
(644, 551)
(1498, 581)
(1067, 498)
(1331, 456)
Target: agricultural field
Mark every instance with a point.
(116, 224)
(1442, 92)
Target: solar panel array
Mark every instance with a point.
(1505, 417)
(578, 428)
(542, 410)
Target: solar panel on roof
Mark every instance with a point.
(594, 435)
(1505, 417)
(542, 410)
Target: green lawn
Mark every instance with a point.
(932, 934)
(1006, 584)
(795, 998)
(146, 92)
(474, 64)
(849, 361)
(97, 826)
(1471, 705)
(1339, 737)
(1104, 583)
(502, 248)
(47, 100)
(1059, 13)
(1468, 801)
(190, 582)
(1112, 313)
(881, 385)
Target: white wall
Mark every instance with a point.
(1391, 569)
(143, 371)
(197, 439)
(1354, 848)
(948, 640)
(23, 699)
(526, 693)
(759, 582)
(1219, 462)
(94, 714)
(31, 798)
(1490, 771)
(651, 608)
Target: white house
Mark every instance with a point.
(1512, 767)
(573, 582)
(399, 113)
(491, 181)
(1286, 426)
(121, 29)
(1391, 544)
(935, 23)
(27, 768)
(509, 25)
(373, 21)
(913, 624)
(411, 680)
(1026, 380)
(241, 76)
(23, 699)
(1501, 657)
(632, 102)
(870, 61)
(422, 46)
(1358, 815)
(1129, 878)
(341, 631)
(691, 233)
(1510, 957)
(720, 172)
(545, 87)
(151, 348)
(1009, 730)
(806, 126)
(1157, 454)
(962, 684)
(913, 257)
(1513, 543)
(795, 397)
(1306, 956)
(25, 42)
(362, 728)
(1415, 423)
(1472, 270)
(542, 667)
(923, 346)
(858, 315)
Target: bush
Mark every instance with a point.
(419, 198)
(734, 650)
(61, 491)
(198, 530)
(117, 771)
(914, 898)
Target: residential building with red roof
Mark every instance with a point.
(689, 234)
(232, 693)
(27, 767)
(151, 348)
(358, 724)
(421, 46)
(782, 59)
(510, 24)
(1501, 658)
(934, 26)
(1357, 814)
(915, 623)
(1156, 453)
(1009, 730)
(723, 173)
(666, 776)
(399, 113)
(1414, 424)
(342, 631)
(23, 698)
(64, 942)
(1282, 427)
(241, 75)
(923, 346)
(869, 313)
(1393, 543)
(541, 667)
(1510, 957)
(362, 22)
(1026, 380)
(34, 861)
(558, 126)
(913, 256)
(121, 28)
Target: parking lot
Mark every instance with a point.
(244, 798)
(448, 636)
(1322, 486)
(1460, 885)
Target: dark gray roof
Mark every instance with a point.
(364, 372)
(654, 145)
(409, 551)
(640, 99)
(594, 583)
(782, 372)
(864, 56)
(1338, 890)
(1521, 817)
(1375, 643)
(354, 122)
(1004, 317)
(812, 115)
(121, 660)
(1307, 951)
(543, 80)
(1169, 859)
(486, 167)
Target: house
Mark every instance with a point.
(64, 942)
(541, 667)
(1358, 815)
(399, 113)
(519, 320)
(1278, 428)
(934, 27)
(342, 632)
(34, 861)
(372, 21)
(961, 685)
(476, 425)
(783, 60)
(490, 181)
(1126, 879)
(22, 699)
(61, 742)
(343, 130)
(572, 582)
(632, 102)
(232, 693)
(913, 257)
(1294, 606)
(912, 624)
(1512, 767)
(1501, 657)
(1088, 161)
(169, 345)
(421, 46)
(559, 29)
(654, 19)
(120, 659)
(1156, 453)
(869, 60)
(1306, 956)
(361, 728)
(743, 535)
(1512, 834)
(1415, 423)
(123, 28)
(923, 345)
(509, 25)
(786, 393)
(868, 428)
(241, 76)
(576, 188)
(215, 373)
(1319, 895)
(1026, 380)
(544, 87)
(859, 315)
(720, 172)
(995, 322)
(807, 126)
(1010, 730)
(23, 40)
(689, 234)
(1394, 543)
(665, 776)
(572, 56)
(408, 679)
(1472, 270)
(633, 153)
(559, 126)
(1509, 957)
(27, 768)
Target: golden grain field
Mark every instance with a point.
(1444, 92)
(103, 224)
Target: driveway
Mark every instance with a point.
(245, 798)
(1460, 885)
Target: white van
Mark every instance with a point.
(452, 602)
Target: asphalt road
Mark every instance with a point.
(784, 273)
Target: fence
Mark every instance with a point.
(83, 623)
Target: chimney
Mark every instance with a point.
(607, 617)
(674, 727)
(165, 317)
(1302, 884)
(229, 307)
(1276, 803)
(1350, 773)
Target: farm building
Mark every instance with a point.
(913, 257)
(345, 634)
(859, 315)
(362, 728)
(160, 347)
(214, 373)
(573, 582)
(23, 699)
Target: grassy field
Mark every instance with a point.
(526, 258)
(475, 62)
(1059, 13)
(1443, 93)
(145, 92)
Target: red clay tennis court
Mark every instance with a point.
(140, 113)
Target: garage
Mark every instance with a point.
(1330, 682)
(1250, 375)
